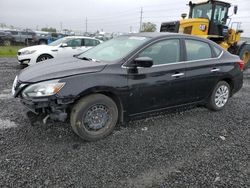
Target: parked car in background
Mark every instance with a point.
(6, 38)
(64, 47)
(41, 37)
(128, 76)
(26, 37)
(55, 36)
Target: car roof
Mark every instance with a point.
(159, 35)
(83, 37)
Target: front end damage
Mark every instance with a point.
(40, 110)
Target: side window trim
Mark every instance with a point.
(183, 53)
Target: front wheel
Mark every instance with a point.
(43, 57)
(219, 96)
(94, 117)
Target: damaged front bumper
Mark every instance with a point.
(42, 109)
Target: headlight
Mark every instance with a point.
(26, 52)
(43, 89)
(14, 86)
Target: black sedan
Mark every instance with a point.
(129, 76)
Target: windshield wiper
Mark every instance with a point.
(85, 58)
(88, 59)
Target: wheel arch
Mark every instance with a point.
(44, 54)
(231, 84)
(109, 92)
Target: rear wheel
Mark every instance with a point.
(219, 96)
(245, 55)
(94, 117)
(43, 57)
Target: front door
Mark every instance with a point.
(73, 48)
(161, 85)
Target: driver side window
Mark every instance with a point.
(163, 52)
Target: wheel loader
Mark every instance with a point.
(210, 19)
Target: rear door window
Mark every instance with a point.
(197, 50)
(90, 42)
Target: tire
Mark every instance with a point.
(245, 55)
(43, 57)
(6, 42)
(94, 117)
(219, 97)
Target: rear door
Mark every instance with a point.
(201, 69)
(161, 85)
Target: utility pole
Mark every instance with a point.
(61, 26)
(141, 20)
(86, 24)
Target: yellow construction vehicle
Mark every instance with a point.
(210, 19)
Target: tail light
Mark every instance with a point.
(241, 64)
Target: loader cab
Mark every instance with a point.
(217, 14)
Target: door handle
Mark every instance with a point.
(215, 70)
(178, 74)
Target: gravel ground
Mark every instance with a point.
(183, 148)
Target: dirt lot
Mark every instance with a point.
(185, 148)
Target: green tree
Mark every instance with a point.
(148, 27)
(48, 29)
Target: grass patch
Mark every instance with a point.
(9, 51)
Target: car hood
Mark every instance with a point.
(37, 47)
(58, 68)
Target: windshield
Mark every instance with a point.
(114, 49)
(202, 11)
(58, 42)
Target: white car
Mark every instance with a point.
(64, 47)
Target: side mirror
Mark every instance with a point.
(183, 15)
(235, 9)
(63, 45)
(143, 62)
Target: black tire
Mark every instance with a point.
(43, 57)
(214, 100)
(94, 117)
(245, 55)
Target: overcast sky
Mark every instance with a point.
(109, 15)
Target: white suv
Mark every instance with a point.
(64, 47)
